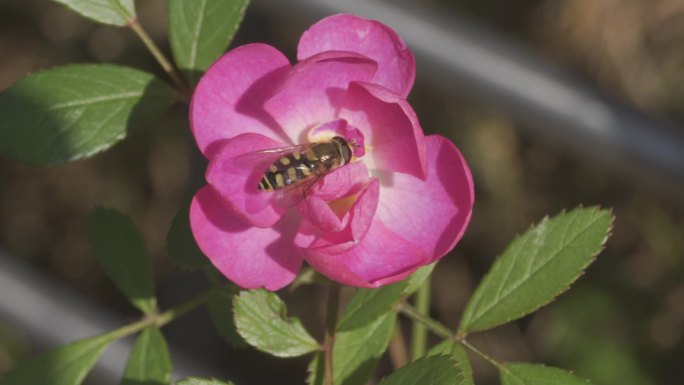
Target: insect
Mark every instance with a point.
(293, 171)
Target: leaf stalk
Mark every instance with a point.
(162, 319)
(419, 330)
(444, 332)
(161, 59)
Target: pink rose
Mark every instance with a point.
(402, 202)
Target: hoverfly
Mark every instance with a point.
(294, 170)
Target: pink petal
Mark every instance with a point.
(324, 210)
(311, 93)
(325, 131)
(357, 220)
(317, 211)
(431, 214)
(344, 181)
(228, 99)
(354, 214)
(382, 257)
(393, 136)
(236, 180)
(397, 68)
(252, 257)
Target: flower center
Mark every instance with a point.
(343, 205)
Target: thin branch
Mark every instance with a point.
(418, 330)
(482, 354)
(172, 314)
(162, 319)
(161, 59)
(432, 325)
(444, 332)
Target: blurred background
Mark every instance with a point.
(622, 323)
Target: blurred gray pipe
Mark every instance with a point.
(52, 315)
(464, 58)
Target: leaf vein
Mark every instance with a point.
(196, 33)
(94, 100)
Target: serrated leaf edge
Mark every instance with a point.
(505, 367)
(532, 309)
(283, 314)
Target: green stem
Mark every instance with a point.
(162, 319)
(428, 322)
(161, 59)
(482, 354)
(418, 330)
(129, 329)
(444, 332)
(330, 328)
(183, 308)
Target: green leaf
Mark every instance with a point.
(356, 352)
(201, 381)
(458, 353)
(66, 365)
(180, 244)
(416, 279)
(531, 374)
(201, 30)
(76, 111)
(368, 305)
(260, 317)
(316, 370)
(431, 370)
(149, 362)
(113, 12)
(120, 249)
(220, 307)
(537, 267)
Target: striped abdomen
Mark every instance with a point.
(289, 169)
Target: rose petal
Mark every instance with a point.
(344, 181)
(252, 257)
(317, 211)
(353, 213)
(228, 99)
(312, 92)
(328, 210)
(382, 257)
(431, 214)
(236, 179)
(357, 219)
(393, 136)
(397, 68)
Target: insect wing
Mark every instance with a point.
(264, 158)
(260, 160)
(291, 195)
